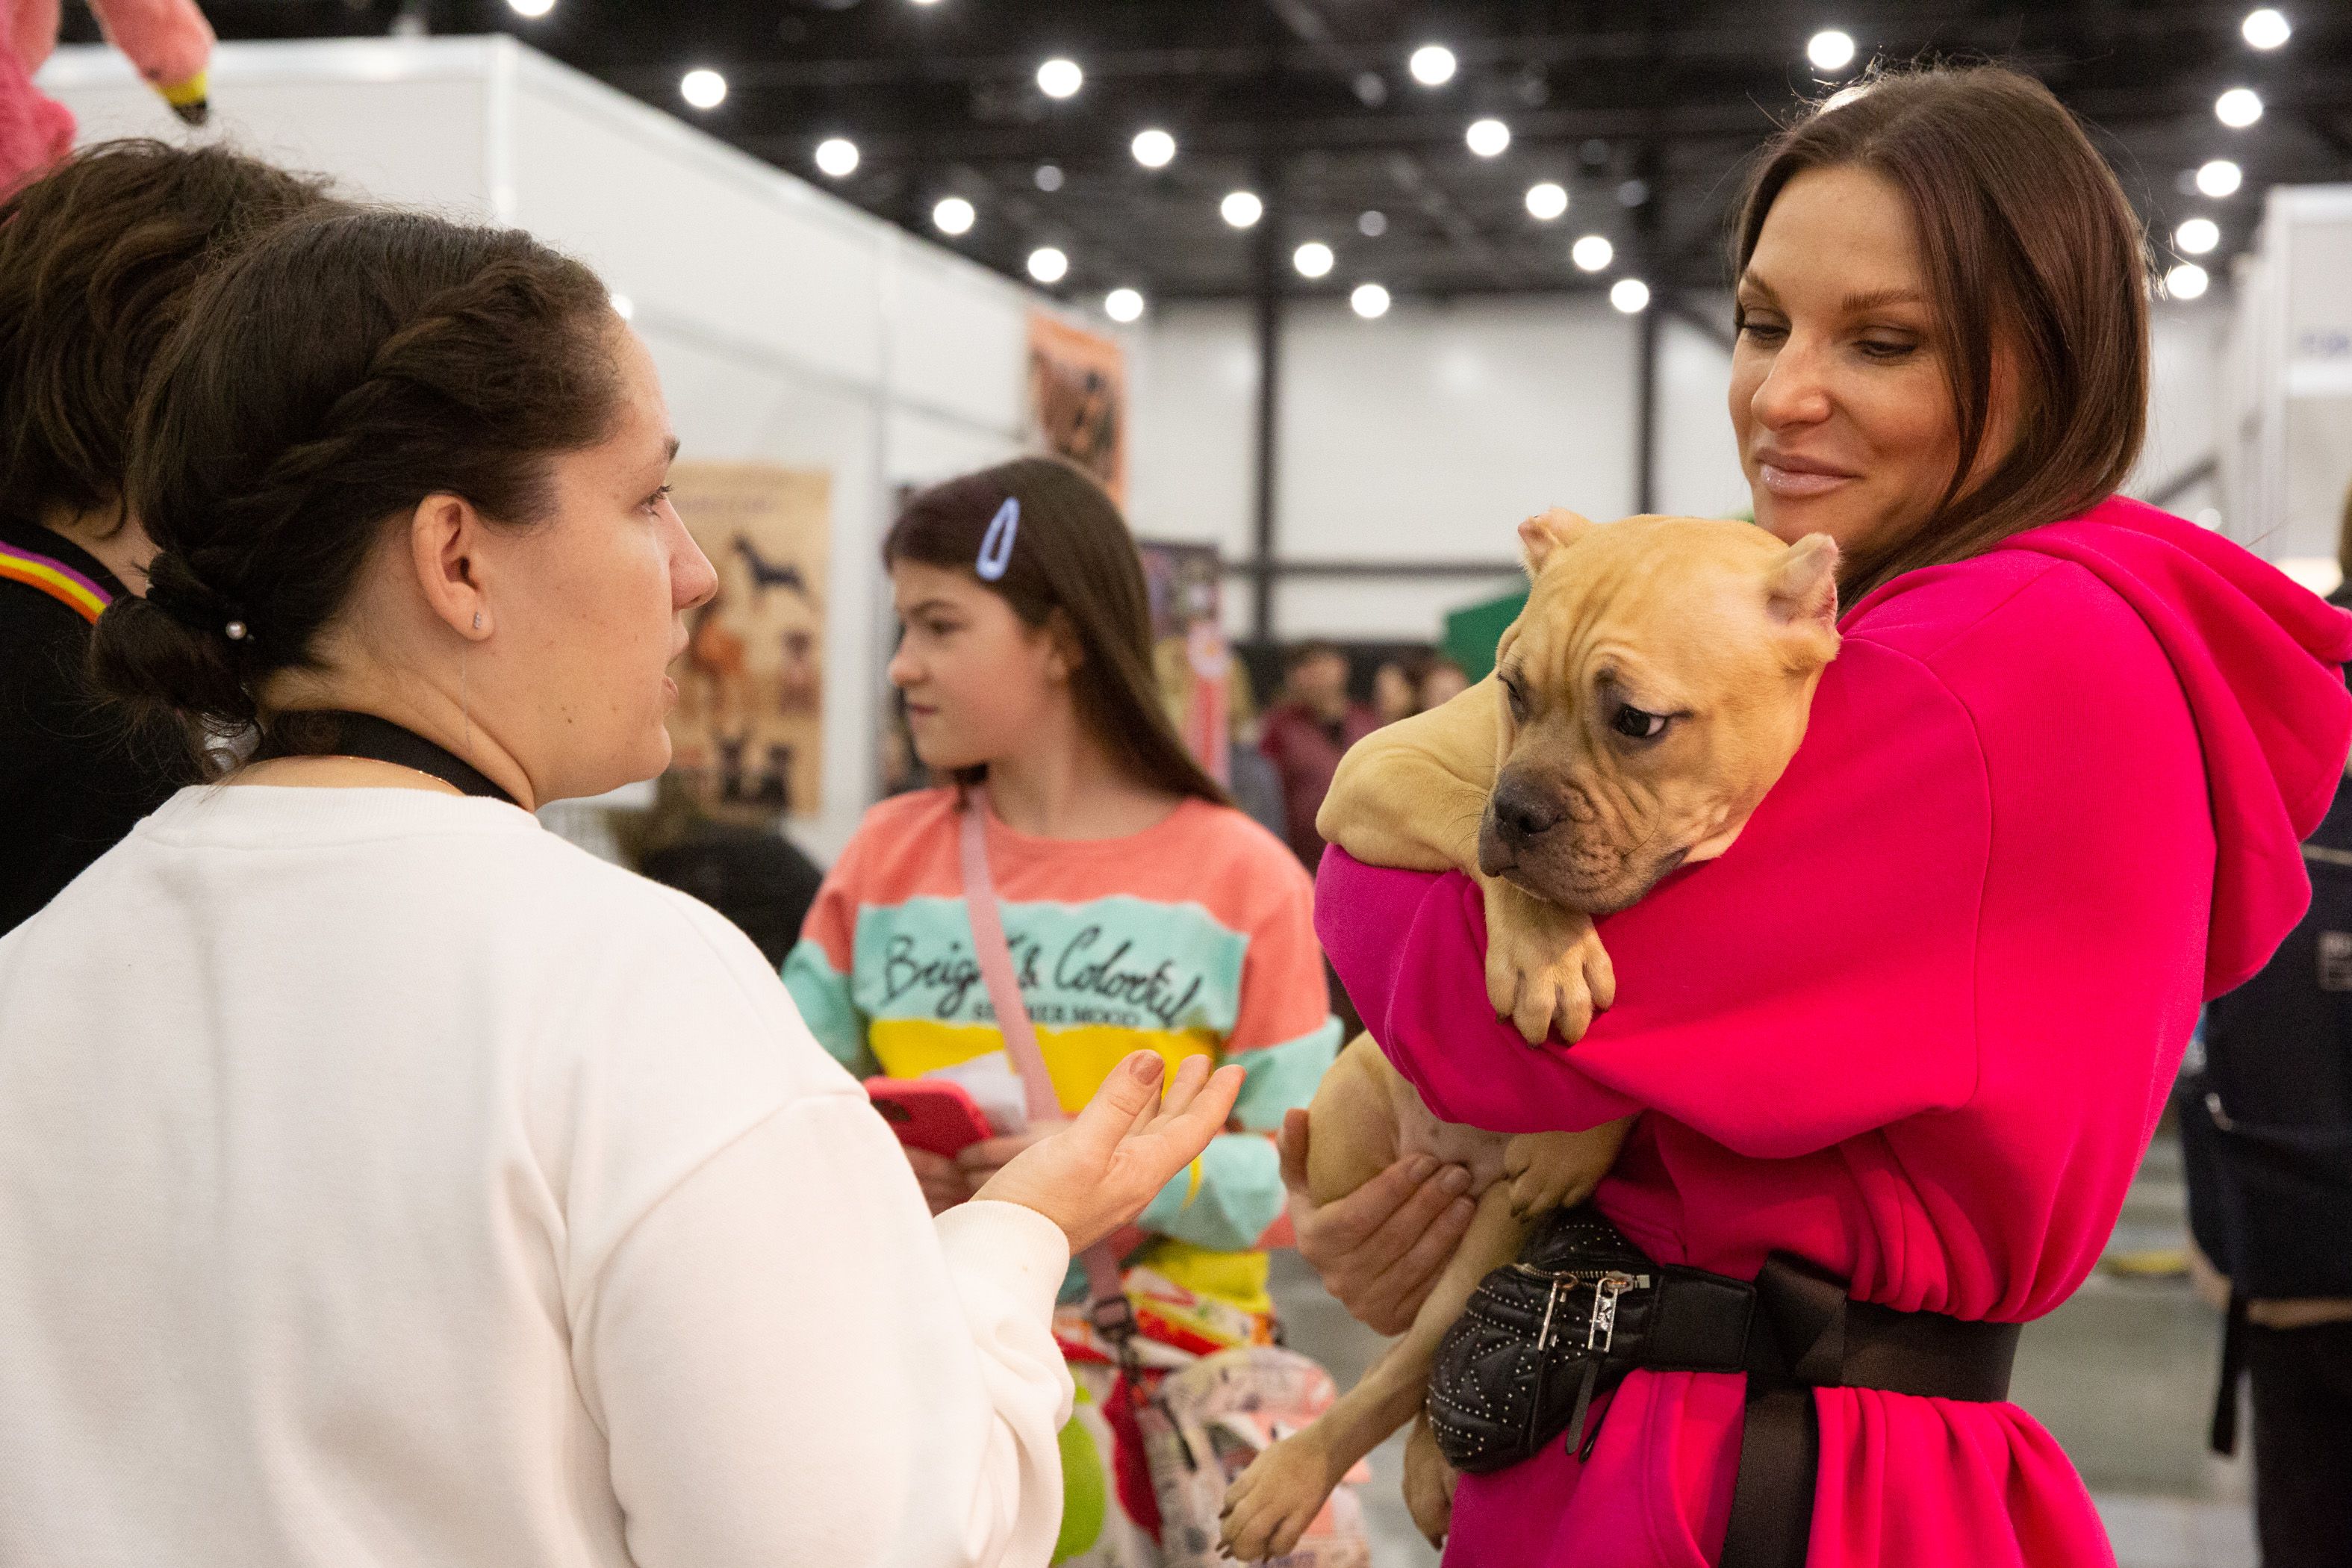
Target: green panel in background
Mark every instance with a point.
(1472, 632)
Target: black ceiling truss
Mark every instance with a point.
(1647, 113)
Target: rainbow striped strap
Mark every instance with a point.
(54, 578)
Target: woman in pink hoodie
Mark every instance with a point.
(1917, 1026)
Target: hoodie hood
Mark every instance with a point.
(2259, 658)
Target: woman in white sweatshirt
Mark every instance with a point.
(382, 1180)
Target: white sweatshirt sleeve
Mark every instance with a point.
(792, 1362)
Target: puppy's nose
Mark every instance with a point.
(1522, 811)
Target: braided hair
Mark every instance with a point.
(324, 384)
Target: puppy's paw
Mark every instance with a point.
(1545, 969)
(1554, 1170)
(1271, 1503)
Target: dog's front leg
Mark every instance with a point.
(1271, 1503)
(1546, 968)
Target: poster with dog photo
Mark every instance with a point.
(747, 731)
(1077, 400)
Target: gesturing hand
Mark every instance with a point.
(1099, 1171)
(1380, 1249)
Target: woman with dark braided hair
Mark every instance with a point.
(426, 1189)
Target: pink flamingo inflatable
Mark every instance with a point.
(168, 40)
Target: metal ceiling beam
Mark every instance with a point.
(2053, 32)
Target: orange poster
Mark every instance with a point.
(1078, 399)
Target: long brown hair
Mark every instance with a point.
(1071, 552)
(2029, 245)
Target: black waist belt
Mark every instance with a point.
(1806, 1333)
(1583, 1308)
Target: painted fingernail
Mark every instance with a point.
(1147, 1067)
(1458, 1180)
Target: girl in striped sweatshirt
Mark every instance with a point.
(1140, 908)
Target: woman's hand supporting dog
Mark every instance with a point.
(1098, 1172)
(1380, 1249)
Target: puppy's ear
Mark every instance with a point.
(1540, 535)
(1802, 590)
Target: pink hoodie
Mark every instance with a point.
(1917, 1025)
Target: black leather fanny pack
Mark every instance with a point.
(1584, 1306)
(1581, 1308)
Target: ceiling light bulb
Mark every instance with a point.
(1048, 177)
(2220, 178)
(1313, 259)
(1371, 224)
(1368, 300)
(953, 215)
(2197, 235)
(703, 89)
(1830, 50)
(836, 156)
(1049, 265)
(2238, 107)
(1123, 305)
(1591, 253)
(1546, 201)
(2265, 28)
(1488, 137)
(1058, 77)
(2186, 281)
(1630, 295)
(535, 9)
(1432, 65)
(1241, 209)
(1153, 149)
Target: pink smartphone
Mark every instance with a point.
(929, 1113)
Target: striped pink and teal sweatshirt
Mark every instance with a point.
(1195, 937)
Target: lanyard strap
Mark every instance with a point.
(995, 956)
(374, 739)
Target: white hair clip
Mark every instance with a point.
(996, 545)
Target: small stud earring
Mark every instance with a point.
(478, 620)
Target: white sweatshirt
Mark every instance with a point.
(384, 1180)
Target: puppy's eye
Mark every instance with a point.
(1636, 725)
(1518, 703)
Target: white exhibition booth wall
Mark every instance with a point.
(2286, 455)
(789, 327)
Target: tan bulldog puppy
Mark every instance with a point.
(1650, 694)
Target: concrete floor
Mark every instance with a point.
(2122, 1375)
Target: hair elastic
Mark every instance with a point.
(996, 545)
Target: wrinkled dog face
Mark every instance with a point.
(1653, 690)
